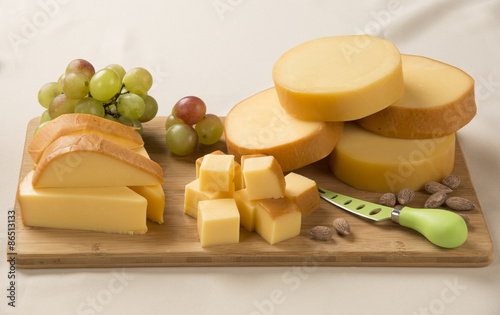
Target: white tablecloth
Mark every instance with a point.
(223, 51)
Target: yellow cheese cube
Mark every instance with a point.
(246, 208)
(263, 178)
(217, 172)
(105, 209)
(242, 161)
(303, 191)
(277, 219)
(238, 177)
(193, 194)
(200, 160)
(218, 222)
(156, 201)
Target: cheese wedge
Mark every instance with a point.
(339, 78)
(70, 124)
(277, 220)
(156, 201)
(86, 160)
(438, 101)
(105, 209)
(259, 125)
(368, 161)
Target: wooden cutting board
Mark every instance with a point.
(176, 243)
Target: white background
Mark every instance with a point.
(223, 51)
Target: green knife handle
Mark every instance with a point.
(443, 228)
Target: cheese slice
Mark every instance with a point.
(259, 125)
(106, 209)
(339, 78)
(369, 161)
(156, 201)
(87, 161)
(438, 101)
(70, 124)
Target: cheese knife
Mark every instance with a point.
(441, 227)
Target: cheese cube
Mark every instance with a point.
(217, 172)
(105, 209)
(263, 178)
(303, 191)
(218, 222)
(156, 201)
(193, 194)
(200, 160)
(246, 209)
(238, 177)
(277, 219)
(242, 161)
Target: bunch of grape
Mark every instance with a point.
(181, 137)
(112, 93)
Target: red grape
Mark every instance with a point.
(189, 109)
(82, 66)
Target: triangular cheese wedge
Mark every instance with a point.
(105, 209)
(70, 124)
(88, 161)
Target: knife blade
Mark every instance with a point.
(441, 227)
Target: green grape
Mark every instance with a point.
(138, 80)
(44, 118)
(75, 85)
(90, 106)
(61, 104)
(81, 66)
(125, 121)
(209, 129)
(171, 120)
(118, 69)
(112, 109)
(181, 139)
(138, 125)
(61, 78)
(130, 106)
(105, 84)
(151, 108)
(111, 117)
(47, 93)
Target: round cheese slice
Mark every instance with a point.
(369, 161)
(438, 101)
(259, 125)
(339, 78)
(70, 124)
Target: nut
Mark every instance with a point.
(466, 218)
(388, 199)
(405, 196)
(435, 200)
(452, 181)
(460, 204)
(320, 233)
(342, 226)
(434, 187)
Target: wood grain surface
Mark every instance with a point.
(176, 242)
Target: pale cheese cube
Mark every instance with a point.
(193, 194)
(277, 220)
(303, 191)
(242, 161)
(218, 222)
(217, 172)
(263, 178)
(200, 160)
(247, 209)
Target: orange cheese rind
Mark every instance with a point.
(82, 123)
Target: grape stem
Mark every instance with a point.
(114, 101)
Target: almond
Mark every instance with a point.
(435, 200)
(434, 187)
(405, 196)
(388, 199)
(452, 181)
(460, 204)
(320, 233)
(342, 226)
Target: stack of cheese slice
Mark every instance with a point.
(91, 174)
(408, 107)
